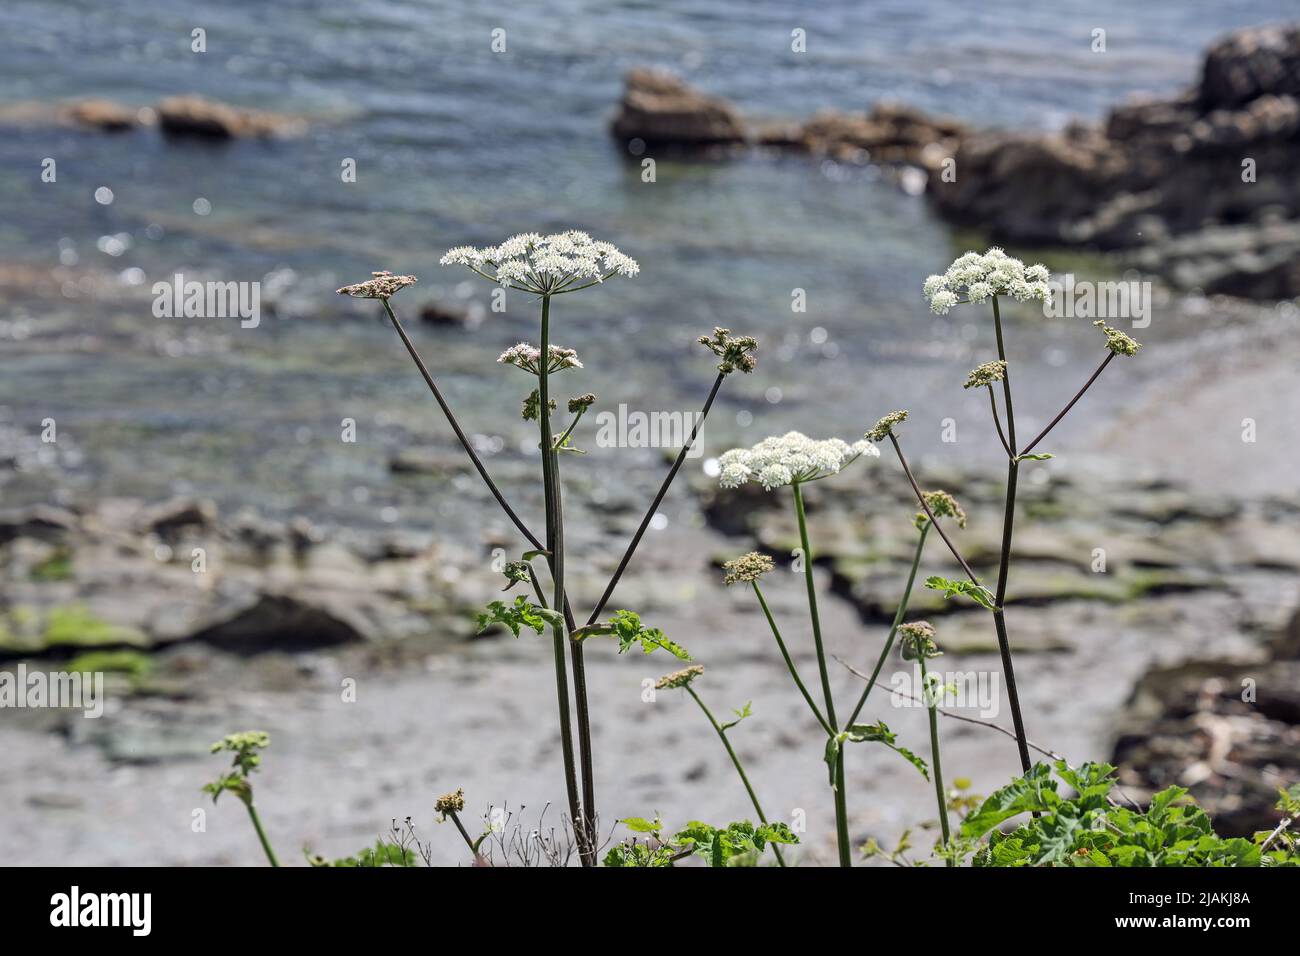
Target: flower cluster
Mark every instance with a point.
(789, 459)
(381, 286)
(545, 265)
(581, 403)
(679, 678)
(986, 374)
(527, 357)
(732, 349)
(450, 803)
(942, 505)
(978, 278)
(917, 641)
(1117, 341)
(748, 567)
(885, 427)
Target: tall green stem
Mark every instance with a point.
(936, 768)
(1004, 563)
(789, 662)
(735, 762)
(841, 808)
(555, 547)
(893, 628)
(261, 834)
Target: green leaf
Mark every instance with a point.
(1036, 790)
(642, 825)
(740, 715)
(976, 592)
(523, 613)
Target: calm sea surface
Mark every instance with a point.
(457, 144)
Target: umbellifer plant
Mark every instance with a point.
(545, 268)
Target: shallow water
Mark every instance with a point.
(455, 144)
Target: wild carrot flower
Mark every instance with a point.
(679, 678)
(789, 459)
(381, 286)
(977, 278)
(986, 374)
(885, 427)
(545, 265)
(527, 357)
(734, 350)
(1117, 341)
(748, 567)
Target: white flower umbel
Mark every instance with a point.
(978, 278)
(545, 265)
(528, 357)
(790, 459)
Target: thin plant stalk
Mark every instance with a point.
(654, 505)
(735, 762)
(841, 809)
(1004, 560)
(929, 513)
(261, 834)
(555, 547)
(789, 662)
(936, 768)
(1070, 404)
(893, 628)
(460, 433)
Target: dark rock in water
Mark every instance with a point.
(279, 622)
(41, 522)
(454, 316)
(1247, 64)
(196, 116)
(1221, 155)
(889, 133)
(659, 108)
(104, 115)
(170, 518)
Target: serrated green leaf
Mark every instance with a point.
(976, 592)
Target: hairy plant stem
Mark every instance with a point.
(932, 705)
(789, 662)
(1004, 562)
(841, 808)
(261, 834)
(735, 762)
(555, 547)
(654, 505)
(893, 628)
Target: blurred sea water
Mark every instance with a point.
(457, 144)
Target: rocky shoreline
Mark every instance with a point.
(1199, 188)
